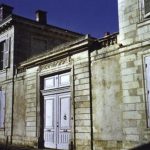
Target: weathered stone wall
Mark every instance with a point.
(106, 99)
(19, 109)
(31, 103)
(134, 32)
(119, 97)
(134, 97)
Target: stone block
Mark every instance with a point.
(129, 71)
(81, 70)
(31, 124)
(132, 115)
(131, 131)
(132, 137)
(82, 111)
(82, 87)
(129, 107)
(82, 93)
(83, 129)
(131, 99)
(82, 98)
(82, 117)
(82, 104)
(84, 81)
(83, 123)
(128, 78)
(31, 134)
(82, 75)
(83, 136)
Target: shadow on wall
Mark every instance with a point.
(143, 147)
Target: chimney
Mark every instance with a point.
(106, 34)
(41, 16)
(5, 11)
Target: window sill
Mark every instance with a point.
(145, 22)
(2, 71)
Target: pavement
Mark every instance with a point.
(15, 147)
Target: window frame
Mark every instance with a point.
(3, 44)
(5, 53)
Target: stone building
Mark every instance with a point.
(63, 90)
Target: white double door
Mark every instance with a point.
(57, 125)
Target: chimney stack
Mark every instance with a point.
(5, 11)
(41, 16)
(106, 34)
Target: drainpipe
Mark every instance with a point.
(13, 97)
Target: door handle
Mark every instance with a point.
(49, 130)
(57, 124)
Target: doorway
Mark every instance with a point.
(57, 111)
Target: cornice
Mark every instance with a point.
(6, 23)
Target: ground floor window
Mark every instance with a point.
(2, 108)
(147, 82)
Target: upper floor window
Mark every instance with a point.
(2, 45)
(2, 108)
(147, 8)
(4, 54)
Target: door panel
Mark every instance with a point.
(64, 121)
(57, 128)
(64, 80)
(57, 114)
(64, 105)
(51, 82)
(50, 121)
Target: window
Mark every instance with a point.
(4, 54)
(2, 108)
(147, 81)
(57, 81)
(1, 54)
(146, 8)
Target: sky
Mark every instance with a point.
(94, 17)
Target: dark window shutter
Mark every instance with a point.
(147, 6)
(147, 61)
(6, 54)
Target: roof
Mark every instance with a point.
(59, 51)
(13, 18)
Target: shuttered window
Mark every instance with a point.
(147, 8)
(2, 109)
(1, 54)
(4, 53)
(147, 80)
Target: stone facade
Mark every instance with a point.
(108, 81)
